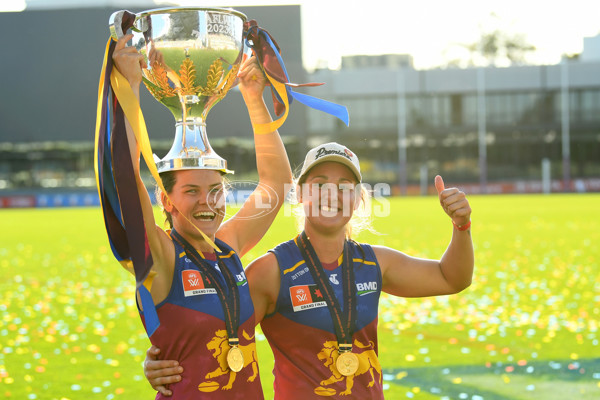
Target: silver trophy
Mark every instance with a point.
(193, 56)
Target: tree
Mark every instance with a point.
(500, 48)
(496, 46)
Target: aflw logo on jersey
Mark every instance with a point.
(193, 283)
(305, 297)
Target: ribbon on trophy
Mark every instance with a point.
(268, 53)
(115, 177)
(117, 188)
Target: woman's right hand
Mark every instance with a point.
(160, 373)
(129, 61)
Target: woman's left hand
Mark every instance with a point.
(252, 81)
(454, 202)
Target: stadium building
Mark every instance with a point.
(489, 129)
(477, 125)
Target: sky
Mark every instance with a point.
(432, 31)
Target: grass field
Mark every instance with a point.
(526, 329)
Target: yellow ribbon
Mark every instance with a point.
(133, 113)
(261, 129)
(127, 264)
(99, 116)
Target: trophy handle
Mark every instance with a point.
(120, 22)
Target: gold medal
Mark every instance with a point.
(235, 359)
(347, 363)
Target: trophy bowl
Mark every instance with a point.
(192, 56)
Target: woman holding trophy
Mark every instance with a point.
(316, 296)
(201, 294)
(192, 291)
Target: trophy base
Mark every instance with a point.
(203, 162)
(191, 150)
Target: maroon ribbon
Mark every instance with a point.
(268, 60)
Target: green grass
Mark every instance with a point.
(526, 329)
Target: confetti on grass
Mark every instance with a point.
(69, 327)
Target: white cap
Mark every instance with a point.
(331, 152)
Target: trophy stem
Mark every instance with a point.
(191, 149)
(194, 140)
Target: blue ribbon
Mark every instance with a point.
(316, 103)
(150, 314)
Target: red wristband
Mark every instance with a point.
(462, 227)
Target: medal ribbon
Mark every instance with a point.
(230, 299)
(344, 321)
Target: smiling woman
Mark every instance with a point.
(199, 290)
(203, 189)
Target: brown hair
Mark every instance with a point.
(169, 179)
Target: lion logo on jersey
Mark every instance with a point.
(367, 362)
(219, 346)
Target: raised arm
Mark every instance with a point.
(244, 230)
(128, 62)
(416, 277)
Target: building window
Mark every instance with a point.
(509, 109)
(320, 122)
(469, 110)
(457, 109)
(589, 105)
(435, 111)
(584, 106)
(379, 113)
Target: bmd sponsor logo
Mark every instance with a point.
(366, 288)
(241, 279)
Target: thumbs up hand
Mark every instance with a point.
(454, 202)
